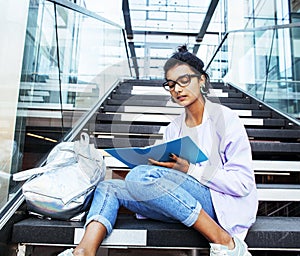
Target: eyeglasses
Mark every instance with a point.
(182, 81)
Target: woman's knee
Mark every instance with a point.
(135, 177)
(146, 173)
(140, 180)
(137, 174)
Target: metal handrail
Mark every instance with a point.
(79, 9)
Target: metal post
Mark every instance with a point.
(195, 252)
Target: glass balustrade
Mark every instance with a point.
(72, 58)
(264, 63)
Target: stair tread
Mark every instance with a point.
(257, 146)
(267, 232)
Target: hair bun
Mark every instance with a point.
(183, 56)
(182, 48)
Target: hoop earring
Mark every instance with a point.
(203, 90)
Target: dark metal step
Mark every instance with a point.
(156, 103)
(267, 232)
(127, 96)
(161, 118)
(274, 134)
(123, 142)
(128, 129)
(127, 89)
(143, 82)
(158, 83)
(117, 118)
(269, 147)
(266, 147)
(124, 96)
(122, 109)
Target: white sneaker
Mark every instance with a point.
(240, 249)
(68, 252)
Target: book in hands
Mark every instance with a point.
(182, 147)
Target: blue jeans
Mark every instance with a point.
(155, 192)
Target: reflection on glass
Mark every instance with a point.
(70, 61)
(263, 63)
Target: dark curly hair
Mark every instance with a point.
(184, 57)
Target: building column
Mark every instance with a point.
(13, 22)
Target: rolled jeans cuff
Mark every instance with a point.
(190, 221)
(102, 220)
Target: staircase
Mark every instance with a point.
(136, 115)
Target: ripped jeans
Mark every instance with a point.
(154, 192)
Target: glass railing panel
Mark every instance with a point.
(37, 88)
(72, 58)
(264, 63)
(151, 67)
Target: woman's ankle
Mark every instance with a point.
(231, 244)
(227, 241)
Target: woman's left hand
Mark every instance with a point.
(178, 163)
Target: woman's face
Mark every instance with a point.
(185, 96)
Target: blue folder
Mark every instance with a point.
(183, 147)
